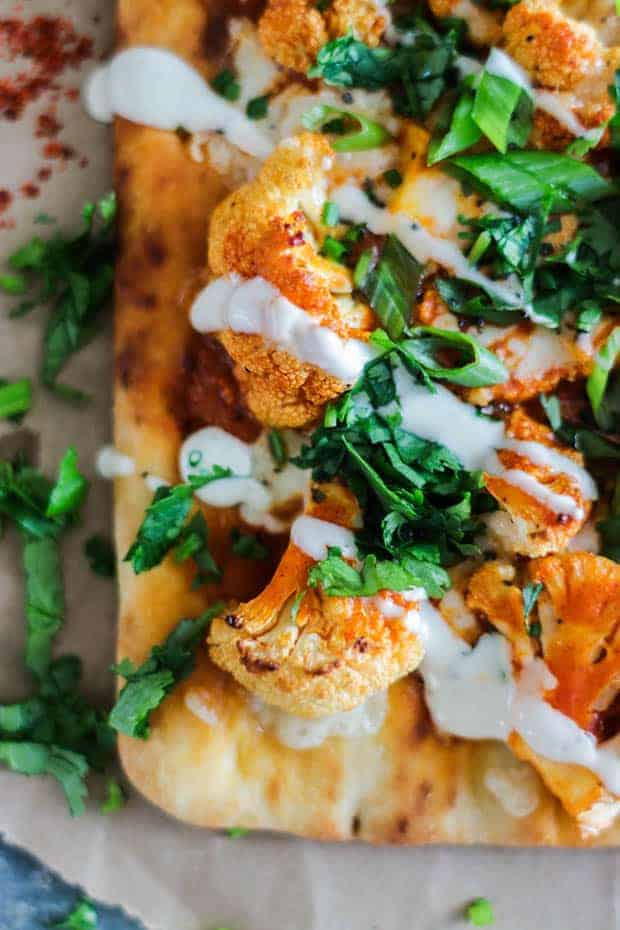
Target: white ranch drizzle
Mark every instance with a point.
(156, 88)
(354, 205)
(472, 692)
(441, 417)
(315, 537)
(254, 486)
(110, 463)
(255, 306)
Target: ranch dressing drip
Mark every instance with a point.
(472, 692)
(156, 88)
(254, 485)
(256, 307)
(315, 537)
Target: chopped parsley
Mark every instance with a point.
(15, 399)
(82, 917)
(420, 505)
(258, 107)
(75, 276)
(100, 554)
(415, 73)
(225, 84)
(480, 913)
(236, 833)
(393, 178)
(147, 685)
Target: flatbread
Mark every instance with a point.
(207, 760)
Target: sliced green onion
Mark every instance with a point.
(277, 447)
(257, 107)
(226, 85)
(480, 913)
(481, 244)
(391, 286)
(331, 214)
(462, 132)
(393, 178)
(551, 405)
(495, 102)
(596, 384)
(362, 268)
(333, 249)
(15, 398)
(370, 135)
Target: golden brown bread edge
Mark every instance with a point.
(405, 784)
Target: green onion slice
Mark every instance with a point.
(370, 135)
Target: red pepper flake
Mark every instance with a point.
(58, 150)
(83, 162)
(47, 126)
(6, 198)
(30, 190)
(44, 174)
(50, 45)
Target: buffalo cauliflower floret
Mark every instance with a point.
(526, 524)
(576, 616)
(293, 31)
(484, 27)
(267, 228)
(555, 49)
(308, 653)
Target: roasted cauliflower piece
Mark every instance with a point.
(267, 228)
(578, 616)
(293, 31)
(311, 654)
(527, 525)
(556, 50)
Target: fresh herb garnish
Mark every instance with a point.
(15, 399)
(258, 107)
(416, 73)
(194, 543)
(480, 913)
(598, 380)
(531, 593)
(226, 85)
(161, 528)
(330, 215)
(338, 578)
(67, 495)
(76, 275)
(247, 546)
(82, 917)
(393, 178)
(389, 282)
(100, 554)
(236, 833)
(147, 685)
(277, 448)
(115, 799)
(420, 505)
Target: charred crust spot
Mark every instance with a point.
(402, 825)
(155, 250)
(127, 362)
(326, 669)
(234, 621)
(317, 495)
(361, 644)
(255, 665)
(356, 825)
(144, 301)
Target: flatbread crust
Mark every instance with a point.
(406, 784)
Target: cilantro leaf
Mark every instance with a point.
(531, 593)
(101, 556)
(161, 527)
(147, 685)
(480, 913)
(82, 917)
(75, 275)
(194, 543)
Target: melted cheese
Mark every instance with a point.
(256, 307)
(304, 733)
(154, 87)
